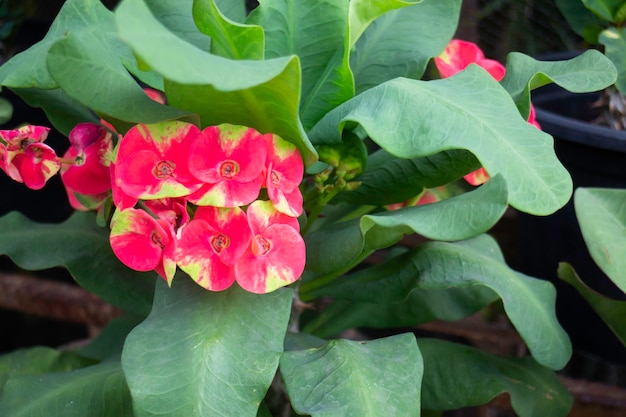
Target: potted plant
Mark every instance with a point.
(235, 175)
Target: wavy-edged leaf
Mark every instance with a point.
(614, 41)
(401, 42)
(528, 302)
(293, 28)
(601, 214)
(260, 94)
(457, 376)
(202, 353)
(364, 12)
(421, 306)
(587, 72)
(84, 249)
(388, 179)
(612, 312)
(228, 38)
(460, 217)
(96, 391)
(349, 378)
(410, 118)
(38, 360)
(177, 17)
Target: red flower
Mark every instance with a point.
(276, 255)
(144, 243)
(91, 149)
(230, 160)
(152, 161)
(283, 175)
(211, 243)
(459, 54)
(25, 158)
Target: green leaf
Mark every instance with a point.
(95, 391)
(612, 312)
(577, 15)
(294, 28)
(110, 340)
(401, 42)
(364, 12)
(203, 353)
(601, 213)
(176, 16)
(62, 111)
(460, 217)
(614, 41)
(388, 179)
(348, 378)
(38, 360)
(260, 94)
(84, 249)
(28, 69)
(228, 39)
(590, 71)
(74, 61)
(606, 9)
(528, 302)
(421, 306)
(410, 119)
(457, 376)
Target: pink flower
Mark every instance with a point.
(276, 255)
(91, 149)
(230, 160)
(144, 243)
(211, 243)
(283, 175)
(25, 158)
(459, 54)
(152, 161)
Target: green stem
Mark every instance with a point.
(317, 210)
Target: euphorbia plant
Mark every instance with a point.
(239, 216)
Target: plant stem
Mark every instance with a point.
(317, 209)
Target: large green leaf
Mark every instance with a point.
(38, 360)
(203, 353)
(349, 378)
(388, 179)
(73, 61)
(28, 69)
(614, 41)
(176, 15)
(577, 15)
(84, 249)
(260, 94)
(95, 391)
(612, 312)
(590, 71)
(528, 302)
(601, 213)
(228, 39)
(364, 12)
(294, 28)
(410, 118)
(461, 217)
(606, 9)
(421, 306)
(401, 42)
(457, 376)
(109, 342)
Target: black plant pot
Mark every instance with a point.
(595, 156)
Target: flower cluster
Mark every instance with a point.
(455, 58)
(184, 197)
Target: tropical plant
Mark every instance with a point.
(237, 175)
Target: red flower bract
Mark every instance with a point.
(276, 255)
(210, 244)
(230, 160)
(144, 243)
(459, 54)
(152, 161)
(283, 175)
